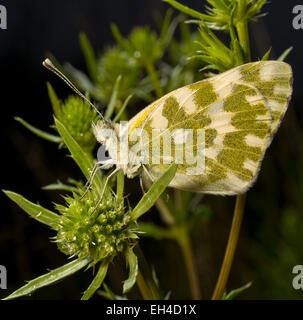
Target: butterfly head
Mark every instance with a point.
(113, 150)
(107, 136)
(104, 131)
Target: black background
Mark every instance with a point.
(27, 162)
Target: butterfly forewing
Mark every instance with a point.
(238, 111)
(274, 80)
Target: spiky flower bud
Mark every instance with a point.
(98, 235)
(77, 116)
(113, 63)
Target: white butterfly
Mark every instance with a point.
(239, 112)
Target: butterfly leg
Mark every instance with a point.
(148, 174)
(89, 182)
(105, 185)
(141, 184)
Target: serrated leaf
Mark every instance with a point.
(152, 195)
(49, 278)
(34, 210)
(132, 262)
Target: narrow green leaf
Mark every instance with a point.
(167, 296)
(83, 160)
(186, 10)
(186, 34)
(34, 210)
(239, 57)
(55, 102)
(231, 295)
(153, 75)
(61, 186)
(285, 54)
(255, 9)
(149, 199)
(49, 278)
(125, 104)
(165, 26)
(219, 4)
(108, 294)
(193, 21)
(38, 132)
(96, 283)
(119, 38)
(132, 262)
(89, 56)
(168, 29)
(154, 231)
(83, 81)
(113, 100)
(266, 56)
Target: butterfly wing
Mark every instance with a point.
(239, 112)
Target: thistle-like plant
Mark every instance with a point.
(90, 236)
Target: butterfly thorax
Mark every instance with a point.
(108, 134)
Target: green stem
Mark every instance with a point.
(230, 248)
(243, 34)
(184, 241)
(242, 30)
(143, 287)
(154, 78)
(145, 281)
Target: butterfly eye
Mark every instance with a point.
(103, 154)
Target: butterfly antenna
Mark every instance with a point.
(50, 66)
